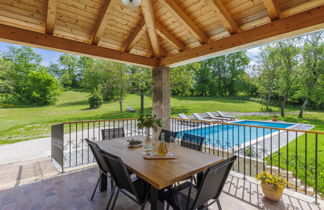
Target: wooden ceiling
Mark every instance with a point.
(159, 32)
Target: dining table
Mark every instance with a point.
(159, 173)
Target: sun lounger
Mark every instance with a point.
(212, 116)
(199, 117)
(130, 109)
(186, 120)
(222, 115)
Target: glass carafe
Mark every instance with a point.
(162, 150)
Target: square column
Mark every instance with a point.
(161, 94)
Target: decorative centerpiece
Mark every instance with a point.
(149, 122)
(272, 185)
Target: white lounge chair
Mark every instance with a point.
(199, 117)
(186, 120)
(222, 115)
(130, 109)
(212, 116)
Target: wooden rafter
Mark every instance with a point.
(164, 34)
(147, 10)
(102, 21)
(185, 20)
(36, 39)
(134, 37)
(226, 19)
(272, 9)
(50, 17)
(282, 28)
(301, 7)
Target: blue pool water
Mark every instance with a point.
(227, 136)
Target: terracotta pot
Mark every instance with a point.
(271, 193)
(274, 118)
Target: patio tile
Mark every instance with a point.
(73, 190)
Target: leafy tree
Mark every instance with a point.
(95, 100)
(41, 88)
(181, 80)
(69, 74)
(287, 53)
(311, 69)
(268, 74)
(139, 80)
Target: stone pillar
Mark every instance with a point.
(161, 94)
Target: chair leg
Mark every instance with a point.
(218, 204)
(95, 189)
(111, 197)
(114, 202)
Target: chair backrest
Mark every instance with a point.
(213, 182)
(192, 141)
(112, 133)
(119, 173)
(97, 155)
(183, 116)
(168, 134)
(220, 113)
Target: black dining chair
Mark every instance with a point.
(112, 133)
(137, 190)
(208, 189)
(103, 168)
(168, 134)
(192, 141)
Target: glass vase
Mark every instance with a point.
(148, 142)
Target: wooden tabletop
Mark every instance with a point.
(159, 173)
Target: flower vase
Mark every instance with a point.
(148, 142)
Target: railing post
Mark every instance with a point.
(57, 144)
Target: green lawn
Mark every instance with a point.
(298, 165)
(24, 123)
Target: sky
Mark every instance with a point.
(50, 56)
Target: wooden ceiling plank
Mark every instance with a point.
(227, 21)
(135, 35)
(102, 21)
(51, 15)
(36, 39)
(272, 9)
(147, 10)
(136, 39)
(282, 28)
(301, 8)
(166, 35)
(177, 12)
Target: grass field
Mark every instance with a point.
(302, 162)
(24, 123)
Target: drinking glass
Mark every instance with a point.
(172, 145)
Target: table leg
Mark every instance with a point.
(103, 182)
(157, 202)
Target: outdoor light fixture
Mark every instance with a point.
(132, 3)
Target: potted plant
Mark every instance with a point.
(274, 117)
(272, 185)
(149, 122)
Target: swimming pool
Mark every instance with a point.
(227, 136)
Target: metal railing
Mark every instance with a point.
(294, 154)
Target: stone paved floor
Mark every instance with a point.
(18, 173)
(72, 191)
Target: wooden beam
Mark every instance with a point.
(50, 17)
(272, 9)
(301, 8)
(283, 28)
(228, 22)
(134, 37)
(147, 10)
(164, 34)
(177, 12)
(36, 39)
(102, 21)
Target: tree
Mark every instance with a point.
(268, 74)
(69, 70)
(311, 68)
(287, 52)
(41, 88)
(181, 80)
(139, 80)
